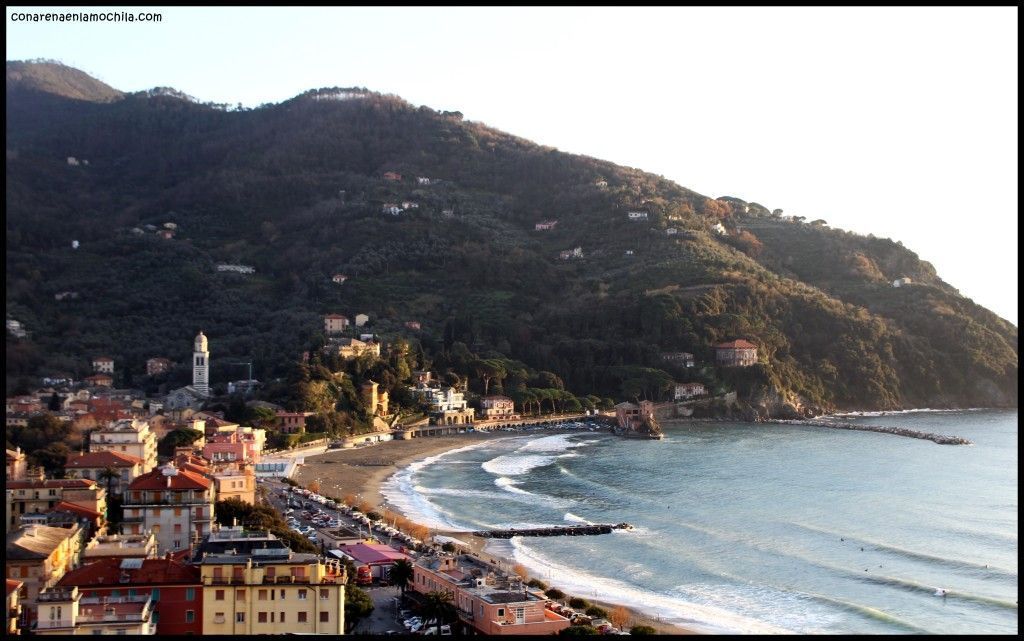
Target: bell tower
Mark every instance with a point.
(201, 365)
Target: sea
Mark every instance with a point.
(755, 528)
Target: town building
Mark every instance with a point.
(413, 325)
(201, 365)
(488, 601)
(348, 348)
(64, 611)
(41, 496)
(99, 380)
(737, 353)
(127, 436)
(232, 444)
(335, 323)
(103, 365)
(498, 407)
(39, 556)
(117, 547)
(254, 584)
(632, 416)
(95, 466)
(176, 505)
(686, 391)
(292, 422)
(67, 515)
(157, 366)
(14, 589)
(184, 399)
(23, 404)
(172, 585)
(421, 377)
(17, 465)
(339, 278)
(637, 215)
(545, 225)
(245, 387)
(361, 319)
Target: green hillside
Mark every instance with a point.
(296, 190)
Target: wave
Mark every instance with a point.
(913, 586)
(538, 452)
(516, 464)
(703, 618)
(913, 554)
(869, 612)
(572, 518)
(509, 485)
(900, 412)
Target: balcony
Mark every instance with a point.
(54, 625)
(223, 580)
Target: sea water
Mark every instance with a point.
(756, 528)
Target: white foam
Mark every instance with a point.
(572, 518)
(509, 485)
(516, 464)
(700, 617)
(538, 452)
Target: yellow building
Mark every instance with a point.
(127, 436)
(236, 482)
(254, 584)
(40, 496)
(39, 556)
(13, 607)
(64, 611)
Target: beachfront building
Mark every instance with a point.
(127, 436)
(176, 505)
(376, 402)
(737, 353)
(378, 557)
(254, 584)
(498, 407)
(487, 600)
(64, 611)
(172, 585)
(447, 407)
(632, 416)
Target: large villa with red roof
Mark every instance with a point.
(737, 353)
(91, 465)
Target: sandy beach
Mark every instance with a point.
(362, 471)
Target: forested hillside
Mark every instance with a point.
(296, 190)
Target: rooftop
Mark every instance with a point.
(101, 459)
(36, 542)
(102, 572)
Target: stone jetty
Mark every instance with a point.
(941, 439)
(555, 530)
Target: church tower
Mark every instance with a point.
(201, 365)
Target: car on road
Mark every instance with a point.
(446, 630)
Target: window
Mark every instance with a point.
(177, 528)
(115, 593)
(190, 615)
(302, 617)
(239, 617)
(177, 511)
(122, 631)
(177, 543)
(190, 595)
(155, 594)
(302, 595)
(241, 595)
(325, 617)
(156, 617)
(282, 594)
(324, 594)
(219, 595)
(261, 595)
(97, 631)
(501, 612)
(131, 592)
(53, 492)
(261, 617)
(280, 619)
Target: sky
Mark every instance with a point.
(899, 122)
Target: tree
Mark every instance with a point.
(439, 605)
(109, 475)
(402, 573)
(358, 604)
(578, 630)
(52, 459)
(54, 404)
(619, 616)
(597, 612)
(555, 594)
(177, 438)
(642, 630)
(578, 603)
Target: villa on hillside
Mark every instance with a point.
(498, 407)
(339, 278)
(737, 353)
(689, 390)
(390, 175)
(680, 358)
(544, 225)
(335, 323)
(900, 282)
(637, 215)
(569, 254)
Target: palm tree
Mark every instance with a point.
(438, 605)
(402, 573)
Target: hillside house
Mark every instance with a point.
(684, 359)
(99, 380)
(348, 348)
(601, 184)
(671, 231)
(362, 319)
(719, 228)
(629, 252)
(637, 215)
(545, 225)
(103, 364)
(420, 180)
(570, 254)
(737, 353)
(166, 234)
(408, 204)
(335, 323)
(65, 296)
(339, 278)
(392, 176)
(391, 208)
(413, 325)
(238, 269)
(686, 391)
(448, 213)
(900, 282)
(73, 162)
(15, 329)
(170, 226)
(157, 366)
(293, 422)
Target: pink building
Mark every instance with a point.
(232, 446)
(488, 601)
(498, 407)
(293, 422)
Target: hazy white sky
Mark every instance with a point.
(901, 122)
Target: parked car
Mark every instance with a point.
(446, 631)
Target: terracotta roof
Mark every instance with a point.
(64, 506)
(36, 542)
(335, 316)
(183, 480)
(102, 358)
(13, 585)
(102, 459)
(153, 572)
(48, 483)
(736, 344)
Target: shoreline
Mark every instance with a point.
(362, 472)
